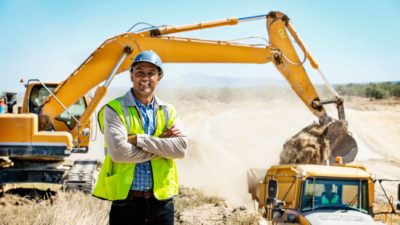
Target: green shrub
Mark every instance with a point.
(372, 90)
(396, 90)
(377, 93)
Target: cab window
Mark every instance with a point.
(38, 96)
(75, 110)
(334, 194)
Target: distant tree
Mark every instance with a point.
(377, 92)
(396, 90)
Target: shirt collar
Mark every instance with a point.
(129, 100)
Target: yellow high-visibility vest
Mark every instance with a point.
(115, 179)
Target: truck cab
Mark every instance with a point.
(317, 194)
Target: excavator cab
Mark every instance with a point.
(36, 96)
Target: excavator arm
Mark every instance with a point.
(120, 50)
(98, 67)
(116, 54)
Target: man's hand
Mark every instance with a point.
(132, 139)
(171, 132)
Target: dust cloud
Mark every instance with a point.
(234, 140)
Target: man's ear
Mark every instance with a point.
(131, 75)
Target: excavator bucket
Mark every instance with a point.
(341, 143)
(317, 143)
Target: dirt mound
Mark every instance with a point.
(217, 214)
(309, 146)
(192, 207)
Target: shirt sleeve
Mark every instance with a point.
(117, 141)
(172, 148)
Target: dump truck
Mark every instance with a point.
(318, 194)
(54, 121)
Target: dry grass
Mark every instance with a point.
(67, 208)
(192, 207)
(81, 209)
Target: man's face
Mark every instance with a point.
(145, 77)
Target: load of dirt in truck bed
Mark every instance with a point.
(309, 146)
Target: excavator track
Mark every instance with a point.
(81, 176)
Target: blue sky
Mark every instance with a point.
(354, 41)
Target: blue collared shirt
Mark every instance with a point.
(143, 178)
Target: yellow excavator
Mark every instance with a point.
(54, 120)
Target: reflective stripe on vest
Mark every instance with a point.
(115, 179)
(126, 113)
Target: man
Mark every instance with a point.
(143, 135)
(329, 197)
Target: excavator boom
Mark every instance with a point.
(171, 50)
(101, 62)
